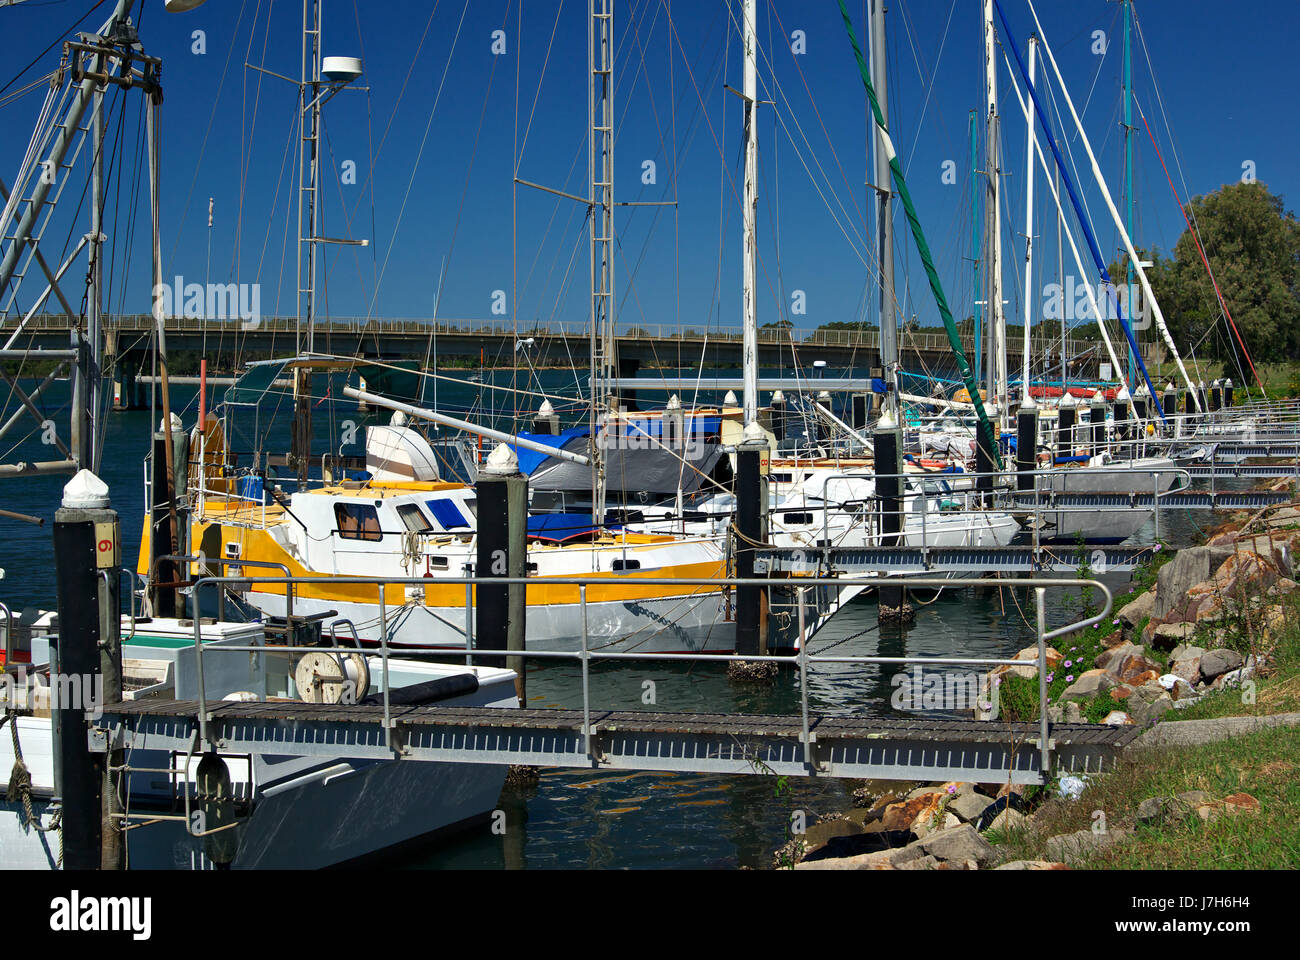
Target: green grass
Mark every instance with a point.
(1265, 765)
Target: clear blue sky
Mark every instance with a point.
(438, 183)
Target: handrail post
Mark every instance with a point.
(1044, 751)
(586, 655)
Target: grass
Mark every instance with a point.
(1018, 696)
(1265, 765)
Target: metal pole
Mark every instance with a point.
(1044, 750)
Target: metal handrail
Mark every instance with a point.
(584, 654)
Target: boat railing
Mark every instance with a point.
(801, 660)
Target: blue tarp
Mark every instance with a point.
(447, 514)
(561, 527)
(530, 460)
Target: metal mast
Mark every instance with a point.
(1029, 222)
(1128, 152)
(309, 108)
(600, 169)
(884, 218)
(749, 305)
(996, 337)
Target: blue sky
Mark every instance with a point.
(437, 183)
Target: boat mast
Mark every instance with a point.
(884, 223)
(975, 247)
(997, 350)
(749, 347)
(1029, 224)
(600, 171)
(309, 109)
(1128, 152)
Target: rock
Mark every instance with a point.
(1071, 847)
(1145, 711)
(1030, 670)
(1117, 718)
(1217, 662)
(1188, 668)
(1208, 812)
(969, 807)
(920, 863)
(1153, 810)
(1138, 610)
(1190, 566)
(1166, 636)
(1185, 651)
(902, 816)
(1105, 658)
(1130, 668)
(1193, 797)
(1008, 820)
(878, 860)
(1073, 712)
(818, 834)
(959, 843)
(1032, 865)
(1245, 574)
(1090, 683)
(1238, 803)
(921, 792)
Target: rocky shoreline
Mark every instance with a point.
(1207, 623)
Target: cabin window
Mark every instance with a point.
(797, 517)
(620, 564)
(413, 518)
(357, 521)
(447, 514)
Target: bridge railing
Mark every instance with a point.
(585, 655)
(924, 341)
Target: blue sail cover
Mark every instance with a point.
(562, 527)
(530, 460)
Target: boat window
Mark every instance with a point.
(447, 514)
(357, 521)
(413, 517)
(620, 564)
(797, 517)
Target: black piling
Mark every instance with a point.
(87, 671)
(748, 534)
(502, 541)
(1123, 416)
(1216, 395)
(1026, 444)
(887, 439)
(1097, 422)
(1227, 392)
(1065, 427)
(984, 451)
(547, 420)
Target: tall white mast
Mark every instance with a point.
(884, 221)
(749, 346)
(1147, 293)
(997, 342)
(600, 169)
(1029, 220)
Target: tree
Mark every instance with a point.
(1253, 245)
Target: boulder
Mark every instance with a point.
(1187, 668)
(1238, 803)
(1130, 668)
(1008, 819)
(1185, 651)
(1071, 847)
(1218, 662)
(926, 862)
(1193, 797)
(959, 843)
(969, 807)
(1152, 810)
(1190, 566)
(1090, 683)
(1030, 670)
(1166, 636)
(1106, 657)
(1032, 865)
(1117, 718)
(1245, 574)
(1138, 610)
(902, 816)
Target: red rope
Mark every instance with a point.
(1205, 260)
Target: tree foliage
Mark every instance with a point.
(1253, 245)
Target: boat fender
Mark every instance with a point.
(430, 691)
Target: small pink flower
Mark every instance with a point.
(1069, 678)
(1069, 663)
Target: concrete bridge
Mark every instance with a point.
(127, 338)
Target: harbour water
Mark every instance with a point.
(583, 818)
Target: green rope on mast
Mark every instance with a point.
(923, 248)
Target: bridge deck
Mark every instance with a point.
(842, 746)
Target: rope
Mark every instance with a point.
(20, 786)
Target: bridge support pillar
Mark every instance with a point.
(627, 367)
(125, 375)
